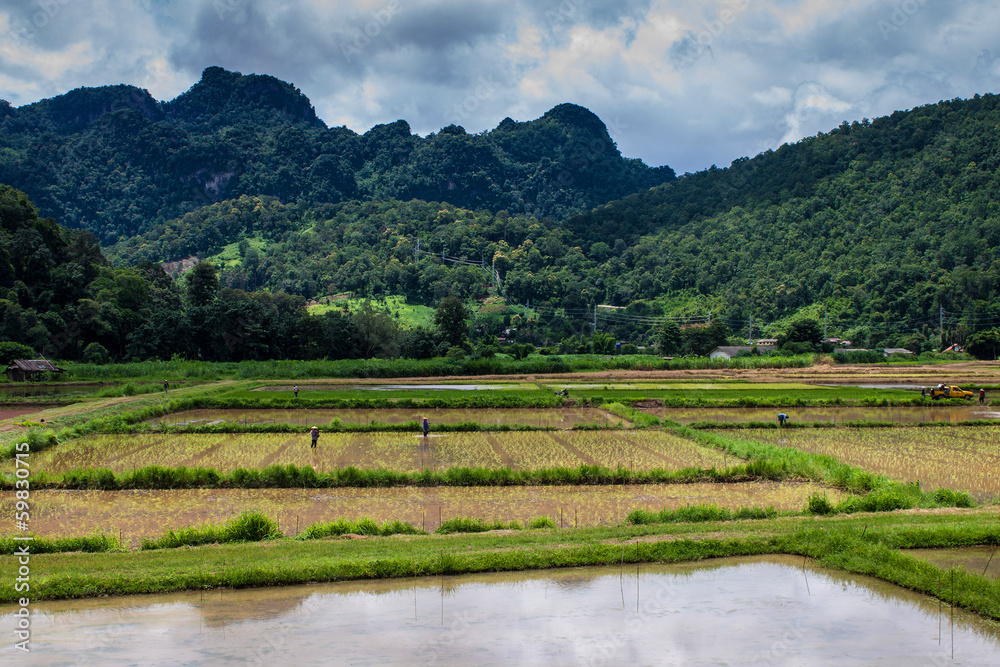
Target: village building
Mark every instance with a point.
(730, 351)
(26, 370)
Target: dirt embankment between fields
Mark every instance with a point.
(971, 372)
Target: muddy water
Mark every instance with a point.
(903, 415)
(732, 611)
(44, 390)
(19, 412)
(982, 560)
(561, 418)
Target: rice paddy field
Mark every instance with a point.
(835, 415)
(593, 524)
(140, 513)
(537, 417)
(526, 450)
(958, 458)
(722, 391)
(592, 389)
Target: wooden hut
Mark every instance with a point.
(24, 370)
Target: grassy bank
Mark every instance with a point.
(157, 477)
(865, 423)
(180, 369)
(864, 544)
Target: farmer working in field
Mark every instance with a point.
(781, 418)
(426, 425)
(314, 432)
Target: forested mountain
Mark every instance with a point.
(882, 221)
(881, 224)
(115, 161)
(61, 298)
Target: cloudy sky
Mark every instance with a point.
(689, 83)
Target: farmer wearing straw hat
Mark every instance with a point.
(426, 426)
(314, 432)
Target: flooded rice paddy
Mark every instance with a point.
(538, 417)
(398, 387)
(755, 611)
(136, 514)
(981, 560)
(899, 415)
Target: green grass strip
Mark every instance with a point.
(722, 426)
(290, 476)
(864, 545)
(97, 542)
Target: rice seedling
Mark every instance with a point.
(519, 450)
(249, 526)
(954, 458)
(135, 514)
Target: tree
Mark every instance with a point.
(202, 284)
(378, 334)
(520, 350)
(450, 319)
(669, 338)
(604, 343)
(95, 353)
(805, 330)
(10, 351)
(984, 344)
(419, 343)
(702, 340)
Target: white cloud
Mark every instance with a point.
(686, 82)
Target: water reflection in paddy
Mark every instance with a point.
(747, 611)
(900, 415)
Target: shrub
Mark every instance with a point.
(541, 522)
(9, 351)
(949, 498)
(819, 504)
(365, 526)
(95, 353)
(252, 526)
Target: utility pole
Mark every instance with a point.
(941, 324)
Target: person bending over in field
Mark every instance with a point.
(314, 432)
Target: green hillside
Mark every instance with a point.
(883, 220)
(115, 161)
(884, 229)
(877, 225)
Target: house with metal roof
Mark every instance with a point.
(25, 370)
